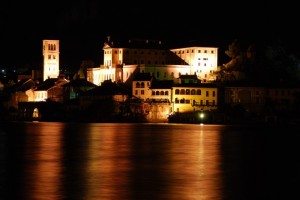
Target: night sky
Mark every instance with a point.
(82, 26)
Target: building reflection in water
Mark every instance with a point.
(109, 164)
(121, 161)
(43, 155)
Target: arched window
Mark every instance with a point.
(177, 91)
(153, 92)
(166, 93)
(182, 91)
(198, 92)
(188, 91)
(162, 93)
(157, 93)
(142, 85)
(193, 92)
(137, 85)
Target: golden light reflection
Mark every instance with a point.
(43, 170)
(108, 162)
(195, 165)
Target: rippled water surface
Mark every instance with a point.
(116, 161)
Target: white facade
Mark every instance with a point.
(203, 61)
(120, 63)
(50, 59)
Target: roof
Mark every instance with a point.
(108, 88)
(162, 84)
(47, 84)
(80, 82)
(24, 85)
(135, 43)
(142, 77)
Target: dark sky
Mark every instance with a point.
(82, 25)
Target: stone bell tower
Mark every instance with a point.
(50, 59)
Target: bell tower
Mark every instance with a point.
(50, 59)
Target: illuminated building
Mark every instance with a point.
(50, 59)
(123, 60)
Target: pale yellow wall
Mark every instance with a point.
(141, 92)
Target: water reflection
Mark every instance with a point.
(141, 161)
(42, 167)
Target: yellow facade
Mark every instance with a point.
(198, 98)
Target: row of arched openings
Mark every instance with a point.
(188, 91)
(51, 47)
(160, 93)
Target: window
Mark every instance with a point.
(188, 91)
(153, 92)
(157, 92)
(136, 92)
(142, 85)
(193, 92)
(207, 94)
(182, 91)
(177, 91)
(162, 93)
(198, 92)
(214, 93)
(137, 85)
(142, 92)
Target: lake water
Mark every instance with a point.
(119, 161)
